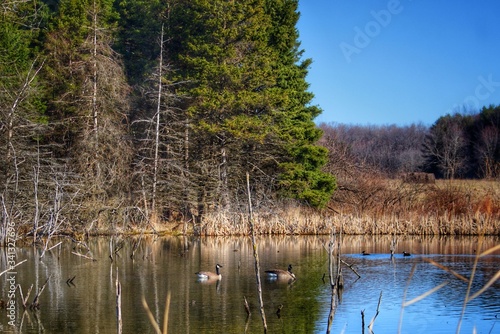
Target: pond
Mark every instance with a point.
(80, 293)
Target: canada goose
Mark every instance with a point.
(365, 253)
(406, 254)
(281, 274)
(208, 275)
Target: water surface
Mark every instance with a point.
(162, 266)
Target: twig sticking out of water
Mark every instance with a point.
(36, 305)
(335, 276)
(23, 299)
(83, 255)
(370, 326)
(278, 311)
(167, 312)
(340, 279)
(351, 267)
(82, 244)
(136, 246)
(362, 321)
(150, 316)
(60, 242)
(393, 246)
(114, 248)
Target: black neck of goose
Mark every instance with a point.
(217, 270)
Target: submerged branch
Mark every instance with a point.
(350, 266)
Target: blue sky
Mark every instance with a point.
(384, 62)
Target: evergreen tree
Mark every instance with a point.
(139, 30)
(222, 56)
(302, 176)
(249, 100)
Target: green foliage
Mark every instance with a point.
(14, 51)
(20, 33)
(311, 186)
(303, 178)
(19, 38)
(139, 27)
(250, 88)
(236, 98)
(88, 96)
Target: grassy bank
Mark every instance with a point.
(359, 206)
(380, 206)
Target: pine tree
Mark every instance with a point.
(221, 55)
(301, 177)
(249, 100)
(139, 29)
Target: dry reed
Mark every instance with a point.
(369, 206)
(388, 207)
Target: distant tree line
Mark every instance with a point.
(462, 145)
(465, 145)
(131, 110)
(388, 150)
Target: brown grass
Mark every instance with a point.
(381, 206)
(361, 206)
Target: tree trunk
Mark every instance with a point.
(157, 130)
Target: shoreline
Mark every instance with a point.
(312, 224)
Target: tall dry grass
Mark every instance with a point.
(379, 206)
(362, 205)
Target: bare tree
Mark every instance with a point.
(486, 148)
(162, 140)
(446, 145)
(89, 111)
(18, 126)
(391, 149)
